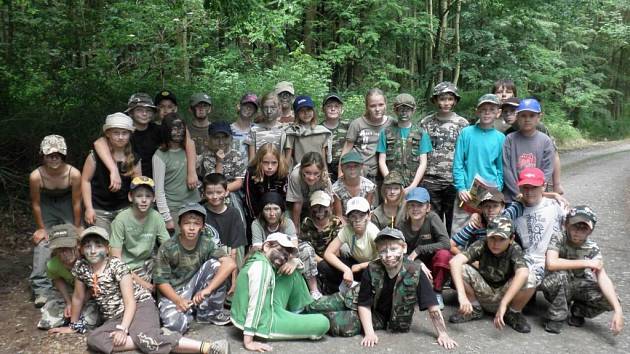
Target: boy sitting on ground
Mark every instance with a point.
(188, 274)
(576, 283)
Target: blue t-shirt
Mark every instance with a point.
(478, 152)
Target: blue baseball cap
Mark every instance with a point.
(529, 104)
(302, 102)
(418, 194)
(220, 127)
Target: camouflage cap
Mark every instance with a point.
(500, 226)
(489, 98)
(198, 98)
(445, 87)
(95, 230)
(53, 143)
(139, 99)
(64, 235)
(284, 86)
(582, 213)
(394, 177)
(492, 194)
(404, 99)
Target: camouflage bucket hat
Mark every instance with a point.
(445, 87)
(582, 213)
(500, 226)
(139, 99)
(53, 143)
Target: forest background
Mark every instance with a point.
(65, 65)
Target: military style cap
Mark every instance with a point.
(404, 99)
(332, 96)
(390, 232)
(118, 120)
(445, 87)
(192, 207)
(142, 181)
(199, 97)
(53, 143)
(351, 156)
(64, 235)
(165, 95)
(500, 226)
(582, 213)
(492, 194)
(95, 230)
(285, 86)
(394, 177)
(489, 98)
(139, 99)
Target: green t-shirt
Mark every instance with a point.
(176, 265)
(137, 240)
(56, 270)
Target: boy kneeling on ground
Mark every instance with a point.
(502, 273)
(576, 283)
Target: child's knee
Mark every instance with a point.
(176, 321)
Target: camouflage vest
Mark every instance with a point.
(404, 295)
(402, 155)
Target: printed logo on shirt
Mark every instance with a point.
(425, 237)
(526, 160)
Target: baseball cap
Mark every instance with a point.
(320, 198)
(351, 156)
(445, 87)
(250, 98)
(95, 230)
(500, 226)
(285, 86)
(220, 127)
(192, 207)
(64, 235)
(390, 232)
(53, 143)
(532, 176)
(199, 97)
(302, 102)
(529, 104)
(139, 99)
(418, 194)
(512, 102)
(394, 177)
(489, 98)
(118, 120)
(283, 240)
(404, 99)
(357, 203)
(142, 181)
(165, 95)
(492, 194)
(582, 213)
(331, 96)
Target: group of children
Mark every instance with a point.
(288, 228)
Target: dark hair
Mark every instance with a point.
(143, 186)
(214, 179)
(167, 126)
(93, 237)
(506, 83)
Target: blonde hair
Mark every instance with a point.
(268, 148)
(314, 158)
(373, 92)
(130, 159)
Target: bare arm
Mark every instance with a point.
(75, 181)
(296, 210)
(382, 164)
(419, 172)
(337, 208)
(126, 288)
(235, 185)
(225, 270)
(101, 148)
(608, 289)
(191, 162)
(330, 256)
(288, 156)
(86, 188)
(440, 328)
(457, 266)
(370, 338)
(34, 182)
(555, 263)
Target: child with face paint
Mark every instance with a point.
(222, 158)
(57, 310)
(169, 170)
(55, 189)
(200, 107)
(306, 178)
(391, 210)
(426, 237)
(351, 184)
(332, 106)
(500, 276)
(272, 218)
(317, 231)
(190, 272)
(137, 230)
(247, 108)
(101, 203)
(286, 95)
(403, 146)
(129, 310)
(576, 284)
(443, 128)
(358, 234)
(266, 302)
(269, 129)
(305, 134)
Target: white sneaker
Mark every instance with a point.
(440, 300)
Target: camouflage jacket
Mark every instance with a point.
(337, 141)
(404, 295)
(403, 155)
(320, 239)
(443, 134)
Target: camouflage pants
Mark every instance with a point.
(560, 290)
(488, 297)
(211, 306)
(341, 311)
(52, 313)
(307, 256)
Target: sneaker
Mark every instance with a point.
(40, 300)
(576, 321)
(517, 321)
(220, 319)
(440, 300)
(476, 314)
(219, 347)
(316, 295)
(554, 326)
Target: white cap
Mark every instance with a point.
(283, 239)
(357, 203)
(118, 120)
(320, 198)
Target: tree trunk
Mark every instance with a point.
(457, 42)
(441, 40)
(310, 14)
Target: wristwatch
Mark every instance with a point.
(120, 327)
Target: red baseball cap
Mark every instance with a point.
(532, 176)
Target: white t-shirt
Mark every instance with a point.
(536, 226)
